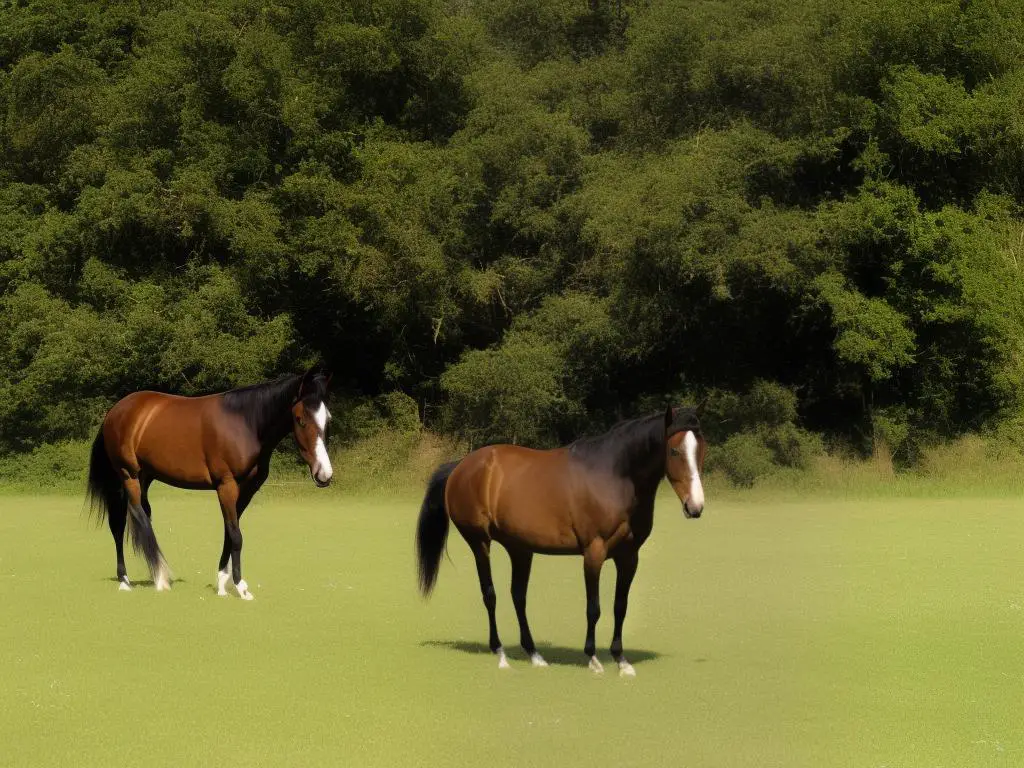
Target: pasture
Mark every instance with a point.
(831, 633)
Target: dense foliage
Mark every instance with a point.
(530, 216)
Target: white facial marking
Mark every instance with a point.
(222, 582)
(321, 416)
(696, 489)
(322, 470)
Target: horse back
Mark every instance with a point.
(185, 441)
(543, 500)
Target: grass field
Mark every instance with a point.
(875, 633)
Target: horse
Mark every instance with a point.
(594, 497)
(220, 442)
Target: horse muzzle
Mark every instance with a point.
(321, 478)
(692, 513)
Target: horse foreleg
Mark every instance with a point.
(625, 567)
(482, 553)
(245, 494)
(593, 558)
(227, 494)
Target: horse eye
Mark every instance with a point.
(673, 451)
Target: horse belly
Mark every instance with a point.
(537, 519)
(171, 449)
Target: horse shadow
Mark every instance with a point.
(554, 654)
(145, 582)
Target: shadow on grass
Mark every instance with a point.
(553, 654)
(145, 582)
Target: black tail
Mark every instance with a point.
(432, 529)
(105, 496)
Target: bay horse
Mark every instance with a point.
(594, 498)
(220, 442)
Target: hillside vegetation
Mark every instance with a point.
(521, 219)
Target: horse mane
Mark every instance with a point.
(633, 440)
(623, 444)
(262, 405)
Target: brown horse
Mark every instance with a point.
(594, 498)
(219, 442)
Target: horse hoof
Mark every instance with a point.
(502, 659)
(163, 586)
(595, 665)
(246, 596)
(626, 669)
(124, 586)
(537, 660)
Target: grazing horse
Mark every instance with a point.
(594, 498)
(219, 442)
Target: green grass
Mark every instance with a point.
(768, 633)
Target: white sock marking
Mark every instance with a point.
(626, 669)
(163, 578)
(537, 660)
(124, 586)
(243, 590)
(596, 665)
(222, 582)
(696, 488)
(502, 659)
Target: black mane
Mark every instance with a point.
(622, 446)
(265, 405)
(634, 445)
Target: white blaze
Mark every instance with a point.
(323, 469)
(696, 489)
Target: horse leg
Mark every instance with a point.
(227, 494)
(593, 558)
(245, 494)
(117, 519)
(133, 488)
(521, 563)
(482, 553)
(144, 484)
(625, 568)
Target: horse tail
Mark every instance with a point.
(432, 529)
(104, 493)
(105, 496)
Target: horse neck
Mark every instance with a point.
(646, 464)
(272, 420)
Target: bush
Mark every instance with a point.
(743, 457)
(51, 466)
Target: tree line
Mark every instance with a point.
(520, 219)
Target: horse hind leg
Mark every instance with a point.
(482, 553)
(138, 507)
(521, 564)
(117, 520)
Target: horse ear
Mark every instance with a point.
(669, 416)
(700, 406)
